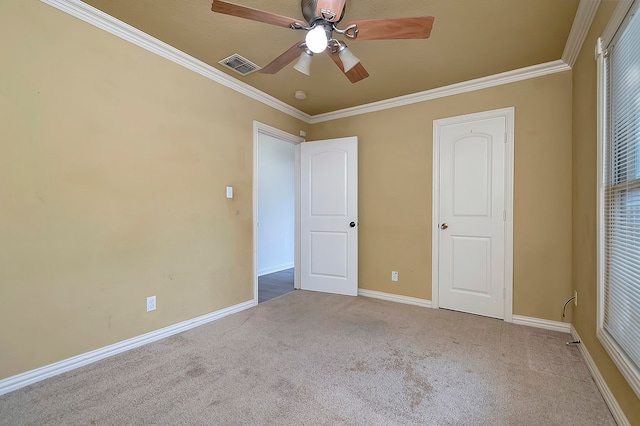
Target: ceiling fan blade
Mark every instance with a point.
(232, 9)
(393, 28)
(335, 6)
(355, 74)
(283, 60)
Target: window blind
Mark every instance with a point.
(621, 310)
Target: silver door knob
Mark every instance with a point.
(444, 226)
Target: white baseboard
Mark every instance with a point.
(395, 298)
(517, 319)
(611, 401)
(542, 323)
(27, 378)
(276, 268)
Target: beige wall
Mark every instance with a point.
(113, 167)
(584, 213)
(395, 181)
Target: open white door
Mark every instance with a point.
(329, 216)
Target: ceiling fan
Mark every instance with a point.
(322, 17)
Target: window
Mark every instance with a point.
(619, 203)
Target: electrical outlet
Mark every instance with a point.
(151, 303)
(394, 275)
(575, 297)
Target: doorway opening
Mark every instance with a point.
(325, 231)
(275, 210)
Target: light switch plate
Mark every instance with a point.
(229, 191)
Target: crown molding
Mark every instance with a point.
(581, 23)
(454, 89)
(126, 32)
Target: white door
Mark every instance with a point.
(472, 215)
(329, 216)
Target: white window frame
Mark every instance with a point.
(622, 361)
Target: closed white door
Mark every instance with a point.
(329, 216)
(471, 269)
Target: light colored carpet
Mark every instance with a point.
(310, 359)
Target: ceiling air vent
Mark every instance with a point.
(239, 64)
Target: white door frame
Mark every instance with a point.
(509, 114)
(282, 135)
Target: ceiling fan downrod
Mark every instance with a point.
(325, 17)
(328, 10)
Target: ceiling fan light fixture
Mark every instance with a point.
(349, 60)
(316, 39)
(304, 63)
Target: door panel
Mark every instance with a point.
(328, 175)
(472, 204)
(471, 178)
(474, 274)
(328, 205)
(328, 253)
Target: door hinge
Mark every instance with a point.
(505, 137)
(504, 293)
(504, 215)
